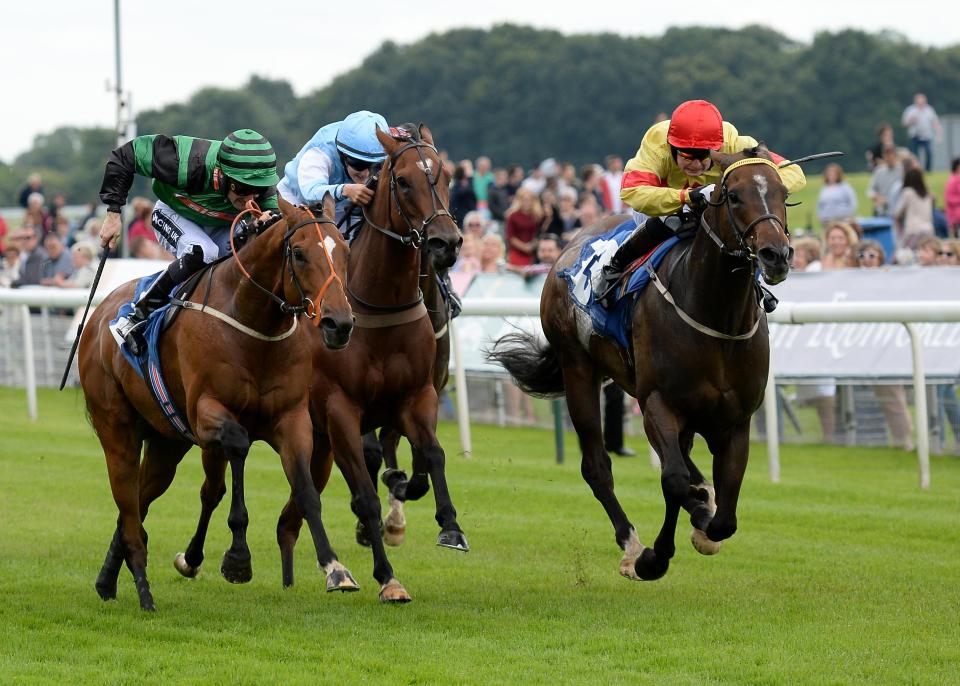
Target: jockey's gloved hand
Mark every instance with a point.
(697, 198)
(268, 218)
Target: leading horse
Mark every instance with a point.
(239, 375)
(697, 363)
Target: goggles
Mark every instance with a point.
(698, 154)
(242, 189)
(357, 165)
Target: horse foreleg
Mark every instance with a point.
(663, 431)
(701, 501)
(211, 493)
(419, 424)
(290, 521)
(582, 385)
(294, 439)
(343, 424)
(730, 453)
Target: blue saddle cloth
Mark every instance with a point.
(585, 276)
(147, 365)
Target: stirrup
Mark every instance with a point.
(611, 279)
(130, 331)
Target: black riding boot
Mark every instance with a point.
(448, 294)
(131, 329)
(652, 233)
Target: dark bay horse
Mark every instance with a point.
(696, 366)
(387, 376)
(239, 375)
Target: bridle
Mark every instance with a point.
(414, 238)
(309, 307)
(744, 252)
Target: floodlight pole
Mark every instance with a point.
(121, 119)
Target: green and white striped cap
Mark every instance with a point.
(246, 156)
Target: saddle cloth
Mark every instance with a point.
(147, 365)
(585, 277)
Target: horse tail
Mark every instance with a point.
(533, 363)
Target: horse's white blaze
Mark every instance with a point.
(762, 188)
(425, 165)
(330, 244)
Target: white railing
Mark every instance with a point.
(907, 313)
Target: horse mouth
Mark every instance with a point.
(774, 275)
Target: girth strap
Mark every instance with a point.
(382, 321)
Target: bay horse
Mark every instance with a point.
(382, 451)
(387, 376)
(696, 365)
(237, 376)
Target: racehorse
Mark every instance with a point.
(386, 378)
(239, 375)
(382, 451)
(698, 362)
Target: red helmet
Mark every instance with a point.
(696, 124)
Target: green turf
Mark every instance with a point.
(844, 573)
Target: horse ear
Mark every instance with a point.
(329, 207)
(387, 141)
(285, 208)
(722, 158)
(425, 133)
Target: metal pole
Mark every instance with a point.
(31, 372)
(920, 405)
(118, 86)
(773, 428)
(463, 404)
(558, 428)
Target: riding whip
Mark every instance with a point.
(818, 156)
(93, 289)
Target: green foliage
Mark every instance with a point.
(843, 573)
(520, 94)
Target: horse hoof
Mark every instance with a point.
(394, 535)
(454, 540)
(649, 567)
(628, 568)
(341, 580)
(181, 565)
(236, 570)
(702, 544)
(106, 590)
(146, 602)
(394, 592)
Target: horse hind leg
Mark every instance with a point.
(395, 523)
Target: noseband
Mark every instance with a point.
(414, 238)
(744, 252)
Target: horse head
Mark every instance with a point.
(316, 257)
(749, 210)
(420, 190)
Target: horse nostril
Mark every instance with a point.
(436, 245)
(771, 255)
(329, 324)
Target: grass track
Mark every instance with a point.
(844, 573)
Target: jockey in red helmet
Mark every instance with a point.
(673, 168)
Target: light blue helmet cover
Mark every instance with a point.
(357, 136)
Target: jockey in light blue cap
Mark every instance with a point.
(338, 160)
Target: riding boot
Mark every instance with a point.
(131, 329)
(448, 294)
(648, 236)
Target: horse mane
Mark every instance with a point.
(759, 150)
(408, 131)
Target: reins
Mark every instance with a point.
(307, 306)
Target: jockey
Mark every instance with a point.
(339, 160)
(672, 171)
(202, 185)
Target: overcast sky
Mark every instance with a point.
(57, 56)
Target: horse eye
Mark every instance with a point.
(403, 183)
(298, 255)
(734, 197)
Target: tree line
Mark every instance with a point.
(520, 94)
